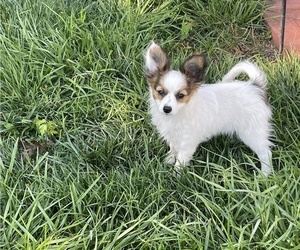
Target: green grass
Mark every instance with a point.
(81, 165)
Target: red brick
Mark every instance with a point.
(292, 24)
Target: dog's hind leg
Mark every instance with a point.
(265, 158)
(260, 144)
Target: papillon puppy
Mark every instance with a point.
(187, 112)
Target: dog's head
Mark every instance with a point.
(172, 89)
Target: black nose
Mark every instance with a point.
(167, 109)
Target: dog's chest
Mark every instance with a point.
(173, 129)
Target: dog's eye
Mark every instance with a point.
(160, 92)
(180, 96)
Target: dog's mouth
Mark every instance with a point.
(167, 114)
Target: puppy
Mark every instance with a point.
(187, 112)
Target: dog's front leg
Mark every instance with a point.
(171, 158)
(184, 156)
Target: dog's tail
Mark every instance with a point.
(257, 77)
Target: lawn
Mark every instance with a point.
(82, 166)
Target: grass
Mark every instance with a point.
(81, 165)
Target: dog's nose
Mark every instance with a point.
(167, 109)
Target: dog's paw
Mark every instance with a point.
(170, 159)
(178, 169)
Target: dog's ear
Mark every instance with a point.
(194, 68)
(157, 62)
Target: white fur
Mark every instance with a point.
(230, 107)
(253, 72)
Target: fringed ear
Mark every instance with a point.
(157, 62)
(194, 68)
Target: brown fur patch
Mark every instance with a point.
(155, 93)
(188, 92)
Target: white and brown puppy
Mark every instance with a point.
(187, 112)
